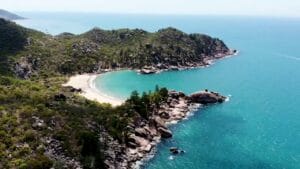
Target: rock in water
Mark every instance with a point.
(174, 150)
(207, 97)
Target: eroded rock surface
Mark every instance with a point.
(145, 134)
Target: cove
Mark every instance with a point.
(257, 128)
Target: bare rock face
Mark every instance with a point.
(207, 97)
(26, 67)
(23, 68)
(141, 132)
(55, 151)
(85, 47)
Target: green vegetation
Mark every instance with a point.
(39, 54)
(67, 120)
(147, 102)
(12, 37)
(34, 107)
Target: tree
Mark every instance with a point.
(134, 97)
(164, 93)
(91, 151)
(39, 162)
(156, 88)
(145, 100)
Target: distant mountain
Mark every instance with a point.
(8, 15)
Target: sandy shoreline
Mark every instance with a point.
(144, 138)
(86, 82)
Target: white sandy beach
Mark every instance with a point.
(85, 82)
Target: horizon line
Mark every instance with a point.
(160, 14)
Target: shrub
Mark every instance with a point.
(29, 136)
(39, 162)
(90, 151)
(89, 143)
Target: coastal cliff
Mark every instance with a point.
(45, 125)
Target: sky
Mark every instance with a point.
(289, 8)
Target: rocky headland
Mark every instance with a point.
(144, 134)
(207, 61)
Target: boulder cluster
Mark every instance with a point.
(145, 134)
(206, 61)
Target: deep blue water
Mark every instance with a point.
(259, 128)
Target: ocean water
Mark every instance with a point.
(259, 128)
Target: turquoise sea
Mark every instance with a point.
(259, 128)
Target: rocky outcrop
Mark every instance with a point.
(26, 67)
(55, 151)
(148, 71)
(205, 61)
(175, 150)
(145, 134)
(206, 97)
(23, 69)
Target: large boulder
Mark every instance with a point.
(164, 115)
(174, 150)
(147, 71)
(165, 133)
(132, 141)
(207, 97)
(174, 94)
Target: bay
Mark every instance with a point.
(259, 128)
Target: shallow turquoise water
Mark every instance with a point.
(259, 128)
